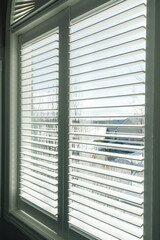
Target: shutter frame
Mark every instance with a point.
(38, 186)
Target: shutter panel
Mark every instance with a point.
(39, 122)
(107, 121)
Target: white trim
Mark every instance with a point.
(13, 124)
(31, 227)
(23, 221)
(40, 15)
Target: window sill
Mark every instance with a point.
(31, 227)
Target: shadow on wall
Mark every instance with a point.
(9, 232)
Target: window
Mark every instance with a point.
(81, 121)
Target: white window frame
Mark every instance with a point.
(152, 151)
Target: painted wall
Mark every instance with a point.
(3, 8)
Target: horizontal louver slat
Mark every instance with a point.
(40, 190)
(40, 143)
(109, 154)
(39, 169)
(110, 145)
(37, 195)
(41, 123)
(87, 228)
(44, 178)
(39, 203)
(108, 163)
(107, 121)
(38, 51)
(39, 163)
(108, 201)
(39, 136)
(107, 125)
(106, 182)
(110, 135)
(106, 210)
(52, 54)
(107, 219)
(41, 183)
(101, 190)
(103, 226)
(108, 173)
(37, 156)
(39, 150)
(108, 42)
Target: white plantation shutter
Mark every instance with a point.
(21, 8)
(107, 120)
(39, 122)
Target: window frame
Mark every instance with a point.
(152, 150)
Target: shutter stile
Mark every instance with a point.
(107, 121)
(39, 123)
